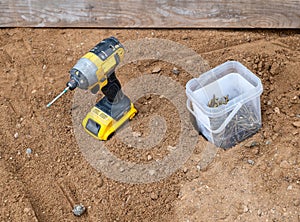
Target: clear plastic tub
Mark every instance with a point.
(226, 125)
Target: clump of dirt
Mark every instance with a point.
(258, 179)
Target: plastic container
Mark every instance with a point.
(226, 125)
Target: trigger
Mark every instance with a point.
(95, 89)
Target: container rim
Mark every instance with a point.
(219, 111)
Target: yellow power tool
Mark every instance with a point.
(94, 71)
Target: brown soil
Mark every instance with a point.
(258, 182)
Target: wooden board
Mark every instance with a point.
(158, 14)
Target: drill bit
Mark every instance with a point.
(57, 97)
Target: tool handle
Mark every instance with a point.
(112, 90)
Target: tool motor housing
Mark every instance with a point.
(92, 70)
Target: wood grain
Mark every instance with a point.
(156, 14)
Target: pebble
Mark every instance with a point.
(185, 170)
(69, 58)
(171, 148)
(28, 151)
(259, 212)
(18, 125)
(154, 196)
(285, 164)
(16, 135)
(151, 172)
(78, 210)
(149, 157)
(277, 110)
(296, 124)
(33, 91)
(251, 144)
(175, 71)
(136, 134)
(26, 210)
(44, 67)
(256, 150)
(296, 202)
(251, 162)
(290, 187)
(274, 68)
(246, 209)
(157, 69)
(268, 142)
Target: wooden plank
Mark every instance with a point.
(158, 14)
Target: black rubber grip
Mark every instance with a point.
(112, 88)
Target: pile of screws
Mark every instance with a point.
(244, 124)
(216, 102)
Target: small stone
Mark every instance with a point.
(277, 110)
(268, 142)
(256, 150)
(33, 91)
(251, 162)
(296, 124)
(151, 172)
(69, 58)
(259, 212)
(26, 210)
(171, 148)
(251, 144)
(28, 151)
(285, 165)
(149, 157)
(175, 71)
(44, 67)
(154, 196)
(185, 170)
(296, 202)
(245, 209)
(136, 134)
(274, 68)
(122, 169)
(274, 137)
(78, 210)
(290, 187)
(16, 135)
(269, 103)
(18, 126)
(157, 69)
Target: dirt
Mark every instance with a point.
(257, 180)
